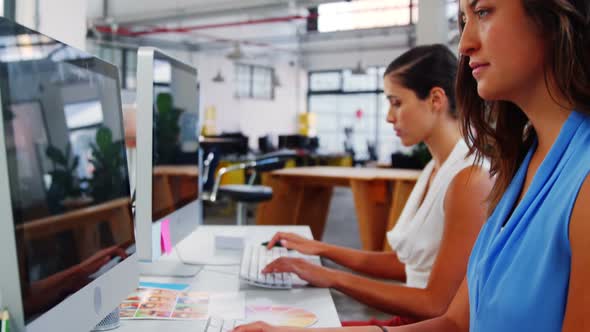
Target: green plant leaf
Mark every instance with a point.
(104, 137)
(164, 103)
(68, 151)
(8, 114)
(56, 155)
(75, 163)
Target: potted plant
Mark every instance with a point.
(417, 159)
(65, 184)
(167, 130)
(107, 159)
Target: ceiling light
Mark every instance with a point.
(236, 53)
(219, 77)
(359, 69)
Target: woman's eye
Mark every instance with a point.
(481, 13)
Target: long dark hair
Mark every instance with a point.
(499, 130)
(425, 67)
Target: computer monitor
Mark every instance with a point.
(68, 248)
(167, 202)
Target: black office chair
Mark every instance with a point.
(248, 193)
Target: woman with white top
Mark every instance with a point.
(433, 237)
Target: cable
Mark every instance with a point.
(203, 263)
(235, 274)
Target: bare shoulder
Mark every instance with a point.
(578, 298)
(473, 182)
(580, 218)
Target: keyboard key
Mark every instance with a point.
(255, 259)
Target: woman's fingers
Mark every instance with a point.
(279, 265)
(276, 238)
(255, 327)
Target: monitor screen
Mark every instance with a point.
(175, 104)
(66, 163)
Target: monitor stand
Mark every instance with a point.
(168, 269)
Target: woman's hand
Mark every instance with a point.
(99, 259)
(263, 327)
(316, 275)
(297, 242)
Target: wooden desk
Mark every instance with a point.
(176, 170)
(174, 183)
(301, 196)
(83, 223)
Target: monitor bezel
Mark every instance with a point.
(147, 229)
(90, 304)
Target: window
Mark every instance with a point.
(325, 81)
(363, 82)
(83, 120)
(342, 101)
(262, 83)
(130, 69)
(84, 114)
(254, 82)
(364, 14)
(162, 72)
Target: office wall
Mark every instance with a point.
(327, 61)
(433, 27)
(64, 20)
(251, 116)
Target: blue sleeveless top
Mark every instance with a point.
(518, 275)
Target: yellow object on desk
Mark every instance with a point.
(307, 124)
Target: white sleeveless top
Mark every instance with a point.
(418, 232)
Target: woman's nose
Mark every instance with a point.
(391, 118)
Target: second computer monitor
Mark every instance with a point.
(167, 152)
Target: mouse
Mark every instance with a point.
(278, 244)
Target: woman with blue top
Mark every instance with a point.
(523, 89)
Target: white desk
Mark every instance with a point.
(225, 279)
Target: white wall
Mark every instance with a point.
(64, 20)
(432, 27)
(349, 59)
(251, 116)
(345, 49)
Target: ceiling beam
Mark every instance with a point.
(220, 9)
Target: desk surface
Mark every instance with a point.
(349, 173)
(225, 279)
(177, 170)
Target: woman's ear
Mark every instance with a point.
(438, 99)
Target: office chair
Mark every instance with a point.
(244, 194)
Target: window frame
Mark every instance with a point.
(378, 92)
(251, 69)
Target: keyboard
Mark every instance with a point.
(216, 324)
(254, 258)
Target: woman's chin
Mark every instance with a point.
(407, 142)
(486, 92)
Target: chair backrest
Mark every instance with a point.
(372, 150)
(210, 164)
(265, 144)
